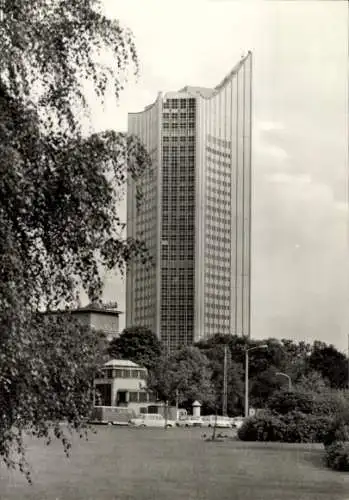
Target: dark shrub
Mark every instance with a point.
(321, 425)
(265, 427)
(338, 429)
(294, 427)
(330, 403)
(337, 456)
(304, 428)
(283, 402)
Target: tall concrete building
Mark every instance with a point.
(195, 215)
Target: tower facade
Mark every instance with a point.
(195, 214)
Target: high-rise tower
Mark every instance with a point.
(196, 212)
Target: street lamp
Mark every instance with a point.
(263, 346)
(286, 376)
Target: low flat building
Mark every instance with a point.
(99, 317)
(123, 384)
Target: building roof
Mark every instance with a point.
(123, 363)
(204, 91)
(87, 309)
(90, 308)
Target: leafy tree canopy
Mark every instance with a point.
(59, 192)
(235, 384)
(46, 377)
(137, 344)
(330, 363)
(183, 375)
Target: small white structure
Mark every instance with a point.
(196, 409)
(122, 384)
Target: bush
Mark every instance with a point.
(294, 427)
(338, 430)
(330, 403)
(337, 456)
(283, 402)
(265, 427)
(304, 428)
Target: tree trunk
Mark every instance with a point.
(214, 427)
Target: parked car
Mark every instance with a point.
(221, 423)
(190, 422)
(237, 422)
(151, 420)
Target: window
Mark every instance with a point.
(133, 397)
(143, 397)
(152, 397)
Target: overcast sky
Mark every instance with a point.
(300, 259)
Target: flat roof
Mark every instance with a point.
(122, 363)
(112, 312)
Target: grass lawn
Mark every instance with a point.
(177, 464)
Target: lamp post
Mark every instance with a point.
(263, 346)
(281, 374)
(348, 362)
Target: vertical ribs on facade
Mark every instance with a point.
(196, 212)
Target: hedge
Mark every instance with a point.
(265, 427)
(337, 456)
(293, 427)
(327, 403)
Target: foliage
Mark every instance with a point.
(183, 376)
(137, 344)
(330, 402)
(312, 381)
(292, 427)
(339, 428)
(283, 402)
(57, 233)
(54, 46)
(331, 363)
(235, 386)
(59, 193)
(304, 428)
(337, 456)
(262, 386)
(297, 354)
(266, 427)
(46, 377)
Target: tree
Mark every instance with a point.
(59, 188)
(263, 385)
(137, 344)
(47, 382)
(283, 402)
(235, 384)
(330, 363)
(313, 381)
(183, 376)
(297, 358)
